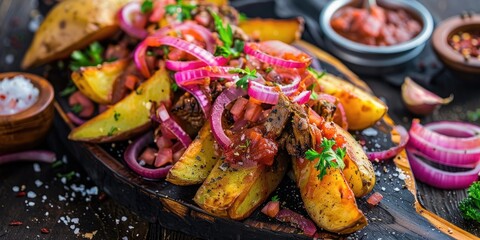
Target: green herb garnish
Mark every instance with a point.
(139, 91)
(76, 108)
(275, 198)
(268, 70)
(116, 115)
(147, 6)
(68, 175)
(470, 206)
(248, 74)
(92, 56)
(473, 115)
(112, 131)
(71, 88)
(225, 33)
(57, 164)
(247, 143)
(182, 11)
(174, 87)
(327, 158)
(313, 95)
(242, 17)
(315, 73)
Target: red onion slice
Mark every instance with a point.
(297, 220)
(263, 93)
(202, 99)
(29, 156)
(154, 41)
(189, 76)
(75, 119)
(265, 51)
(302, 97)
(440, 178)
(189, 65)
(168, 122)
(392, 152)
(126, 19)
(204, 33)
(133, 151)
(225, 98)
(433, 134)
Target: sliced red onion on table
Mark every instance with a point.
(154, 41)
(167, 121)
(265, 52)
(133, 151)
(392, 152)
(419, 100)
(29, 156)
(132, 20)
(225, 98)
(297, 220)
(446, 134)
(190, 65)
(437, 177)
(190, 76)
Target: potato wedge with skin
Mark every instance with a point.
(71, 25)
(197, 161)
(97, 82)
(285, 30)
(330, 202)
(267, 182)
(362, 109)
(358, 169)
(128, 117)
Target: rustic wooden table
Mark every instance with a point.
(65, 201)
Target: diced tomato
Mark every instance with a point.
(271, 209)
(148, 156)
(375, 199)
(238, 108)
(87, 105)
(163, 142)
(178, 154)
(131, 81)
(328, 130)
(252, 111)
(164, 157)
(314, 118)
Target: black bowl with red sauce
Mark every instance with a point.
(379, 40)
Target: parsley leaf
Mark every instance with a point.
(473, 115)
(313, 95)
(242, 17)
(248, 74)
(315, 73)
(182, 11)
(71, 88)
(77, 108)
(147, 6)
(275, 198)
(174, 87)
(91, 56)
(225, 33)
(327, 158)
(116, 115)
(247, 143)
(112, 131)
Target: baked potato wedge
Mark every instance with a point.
(362, 109)
(285, 30)
(197, 161)
(128, 117)
(358, 169)
(330, 202)
(71, 25)
(236, 192)
(97, 82)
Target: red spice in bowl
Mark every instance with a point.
(466, 43)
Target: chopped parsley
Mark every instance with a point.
(180, 10)
(313, 95)
(112, 131)
(139, 91)
(247, 143)
(268, 70)
(327, 158)
(473, 115)
(225, 33)
(116, 115)
(147, 6)
(174, 87)
(67, 176)
(71, 88)
(242, 17)
(57, 164)
(248, 74)
(91, 56)
(275, 198)
(76, 108)
(315, 73)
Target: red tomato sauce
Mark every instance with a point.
(377, 27)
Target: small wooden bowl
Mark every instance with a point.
(446, 53)
(27, 128)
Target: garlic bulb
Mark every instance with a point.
(419, 100)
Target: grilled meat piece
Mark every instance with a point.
(278, 117)
(189, 112)
(325, 109)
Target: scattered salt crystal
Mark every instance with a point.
(130, 227)
(75, 220)
(31, 204)
(9, 59)
(35, 23)
(76, 231)
(125, 238)
(61, 198)
(92, 191)
(31, 194)
(396, 189)
(46, 186)
(44, 197)
(46, 214)
(142, 163)
(72, 227)
(38, 183)
(370, 132)
(64, 159)
(63, 180)
(124, 218)
(383, 189)
(117, 221)
(15, 188)
(22, 188)
(36, 167)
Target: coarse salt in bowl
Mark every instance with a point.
(16, 95)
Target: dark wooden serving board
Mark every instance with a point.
(171, 206)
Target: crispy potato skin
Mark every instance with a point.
(236, 192)
(134, 113)
(72, 25)
(285, 30)
(362, 109)
(197, 161)
(358, 169)
(330, 202)
(97, 82)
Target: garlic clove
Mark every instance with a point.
(419, 100)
